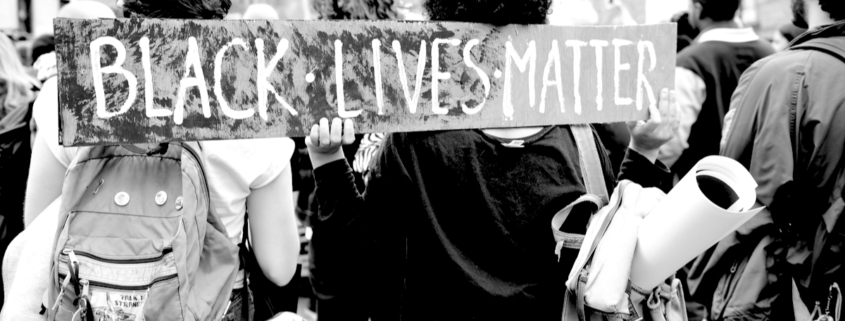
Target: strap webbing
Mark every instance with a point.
(591, 168)
(826, 45)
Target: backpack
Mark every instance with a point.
(664, 303)
(138, 239)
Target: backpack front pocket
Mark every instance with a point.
(120, 289)
(128, 271)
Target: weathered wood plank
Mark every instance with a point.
(132, 81)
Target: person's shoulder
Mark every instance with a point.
(247, 148)
(772, 68)
(689, 52)
(695, 56)
(818, 63)
(707, 48)
(762, 47)
(254, 154)
(720, 49)
(255, 162)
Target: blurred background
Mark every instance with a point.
(28, 19)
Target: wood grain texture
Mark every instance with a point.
(306, 76)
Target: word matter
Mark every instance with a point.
(149, 80)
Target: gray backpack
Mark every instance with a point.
(664, 303)
(138, 239)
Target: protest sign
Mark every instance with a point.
(151, 80)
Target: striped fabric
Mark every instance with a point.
(370, 145)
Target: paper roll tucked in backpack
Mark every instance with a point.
(713, 199)
(598, 286)
(611, 265)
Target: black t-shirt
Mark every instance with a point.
(453, 225)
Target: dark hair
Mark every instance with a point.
(43, 45)
(499, 12)
(355, 9)
(178, 9)
(686, 32)
(719, 10)
(835, 8)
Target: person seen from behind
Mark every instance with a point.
(241, 174)
(706, 75)
(788, 130)
(454, 225)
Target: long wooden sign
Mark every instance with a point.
(149, 80)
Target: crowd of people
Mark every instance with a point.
(454, 225)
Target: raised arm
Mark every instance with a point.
(641, 165)
(353, 233)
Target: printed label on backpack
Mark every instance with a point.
(115, 305)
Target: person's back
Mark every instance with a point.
(719, 64)
(252, 173)
(707, 74)
(459, 225)
(454, 225)
(472, 215)
(787, 130)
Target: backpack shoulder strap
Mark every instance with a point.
(591, 168)
(833, 46)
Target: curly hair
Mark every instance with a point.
(355, 9)
(499, 12)
(835, 8)
(178, 9)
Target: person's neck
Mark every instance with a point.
(816, 17)
(710, 25)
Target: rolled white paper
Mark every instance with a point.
(686, 223)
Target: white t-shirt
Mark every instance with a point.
(233, 167)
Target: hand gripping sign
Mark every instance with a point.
(151, 80)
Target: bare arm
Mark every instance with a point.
(273, 225)
(46, 177)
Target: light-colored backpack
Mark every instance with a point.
(663, 303)
(138, 239)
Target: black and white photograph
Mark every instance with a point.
(422, 160)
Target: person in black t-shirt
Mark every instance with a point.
(455, 224)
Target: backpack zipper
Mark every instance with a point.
(728, 287)
(114, 261)
(129, 287)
